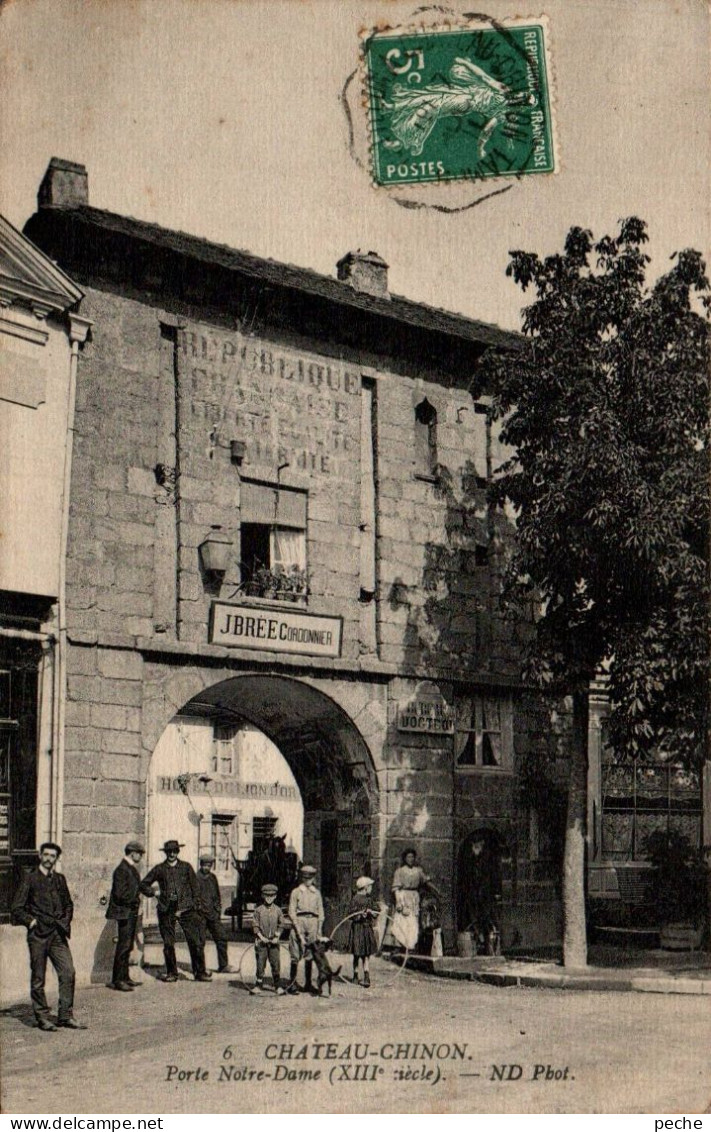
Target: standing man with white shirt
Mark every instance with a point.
(43, 905)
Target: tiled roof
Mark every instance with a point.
(281, 275)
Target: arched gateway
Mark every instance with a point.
(263, 767)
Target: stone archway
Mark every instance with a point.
(329, 760)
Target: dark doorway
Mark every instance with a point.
(19, 667)
(479, 881)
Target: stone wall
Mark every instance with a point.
(298, 416)
(157, 409)
(114, 496)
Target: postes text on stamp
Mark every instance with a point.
(459, 103)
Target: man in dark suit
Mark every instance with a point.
(178, 902)
(479, 891)
(43, 905)
(123, 907)
(211, 910)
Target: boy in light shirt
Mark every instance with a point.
(306, 913)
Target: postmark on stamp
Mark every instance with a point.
(459, 102)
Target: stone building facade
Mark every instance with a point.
(279, 528)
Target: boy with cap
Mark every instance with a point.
(123, 907)
(178, 902)
(211, 910)
(268, 924)
(307, 915)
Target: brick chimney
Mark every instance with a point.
(366, 272)
(64, 185)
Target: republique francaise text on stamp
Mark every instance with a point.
(459, 103)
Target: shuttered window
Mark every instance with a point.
(273, 540)
(272, 506)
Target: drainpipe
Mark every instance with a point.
(78, 330)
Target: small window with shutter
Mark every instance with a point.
(273, 540)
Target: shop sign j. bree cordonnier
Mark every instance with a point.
(274, 629)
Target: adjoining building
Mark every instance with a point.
(282, 617)
(41, 333)
(647, 823)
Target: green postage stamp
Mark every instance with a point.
(459, 103)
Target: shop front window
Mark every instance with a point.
(263, 830)
(18, 765)
(640, 799)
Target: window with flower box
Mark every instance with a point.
(273, 541)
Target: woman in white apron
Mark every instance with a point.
(408, 880)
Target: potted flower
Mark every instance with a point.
(251, 586)
(266, 581)
(281, 585)
(297, 583)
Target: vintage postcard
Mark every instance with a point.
(287, 824)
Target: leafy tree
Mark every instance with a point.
(607, 409)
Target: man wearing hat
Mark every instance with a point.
(307, 915)
(123, 907)
(267, 925)
(211, 911)
(178, 902)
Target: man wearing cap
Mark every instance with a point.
(267, 925)
(211, 911)
(123, 907)
(43, 905)
(307, 915)
(178, 902)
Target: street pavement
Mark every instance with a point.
(411, 1043)
(691, 977)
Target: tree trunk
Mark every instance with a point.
(706, 799)
(575, 944)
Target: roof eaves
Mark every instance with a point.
(304, 279)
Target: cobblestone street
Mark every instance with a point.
(410, 1043)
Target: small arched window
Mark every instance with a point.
(425, 439)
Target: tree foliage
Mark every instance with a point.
(607, 409)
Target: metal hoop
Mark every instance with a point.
(341, 978)
(352, 985)
(250, 950)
